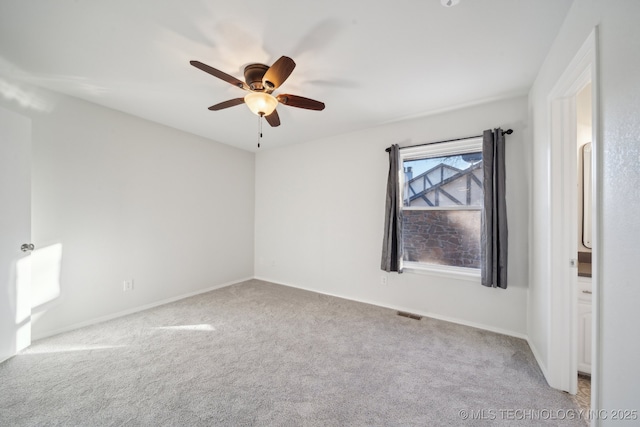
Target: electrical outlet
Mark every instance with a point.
(383, 280)
(127, 285)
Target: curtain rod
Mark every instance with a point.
(507, 132)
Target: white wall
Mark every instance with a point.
(320, 216)
(130, 199)
(619, 150)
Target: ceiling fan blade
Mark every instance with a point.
(273, 119)
(278, 73)
(300, 102)
(227, 104)
(219, 74)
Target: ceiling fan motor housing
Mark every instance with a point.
(253, 74)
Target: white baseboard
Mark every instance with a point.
(541, 364)
(411, 310)
(223, 285)
(135, 310)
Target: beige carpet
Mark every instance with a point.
(267, 355)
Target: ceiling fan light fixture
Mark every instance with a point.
(260, 81)
(260, 103)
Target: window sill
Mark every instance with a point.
(460, 273)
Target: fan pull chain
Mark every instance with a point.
(259, 130)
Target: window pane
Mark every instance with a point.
(444, 181)
(443, 237)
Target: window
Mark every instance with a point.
(442, 201)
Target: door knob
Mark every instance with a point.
(26, 247)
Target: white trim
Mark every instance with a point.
(561, 363)
(411, 310)
(596, 212)
(460, 273)
(136, 309)
(212, 288)
(441, 208)
(439, 149)
(539, 359)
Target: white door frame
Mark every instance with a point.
(562, 362)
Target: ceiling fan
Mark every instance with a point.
(260, 81)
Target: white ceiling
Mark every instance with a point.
(370, 62)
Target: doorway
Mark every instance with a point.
(584, 158)
(568, 317)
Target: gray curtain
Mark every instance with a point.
(494, 211)
(392, 242)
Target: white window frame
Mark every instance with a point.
(451, 148)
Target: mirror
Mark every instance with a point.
(586, 195)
